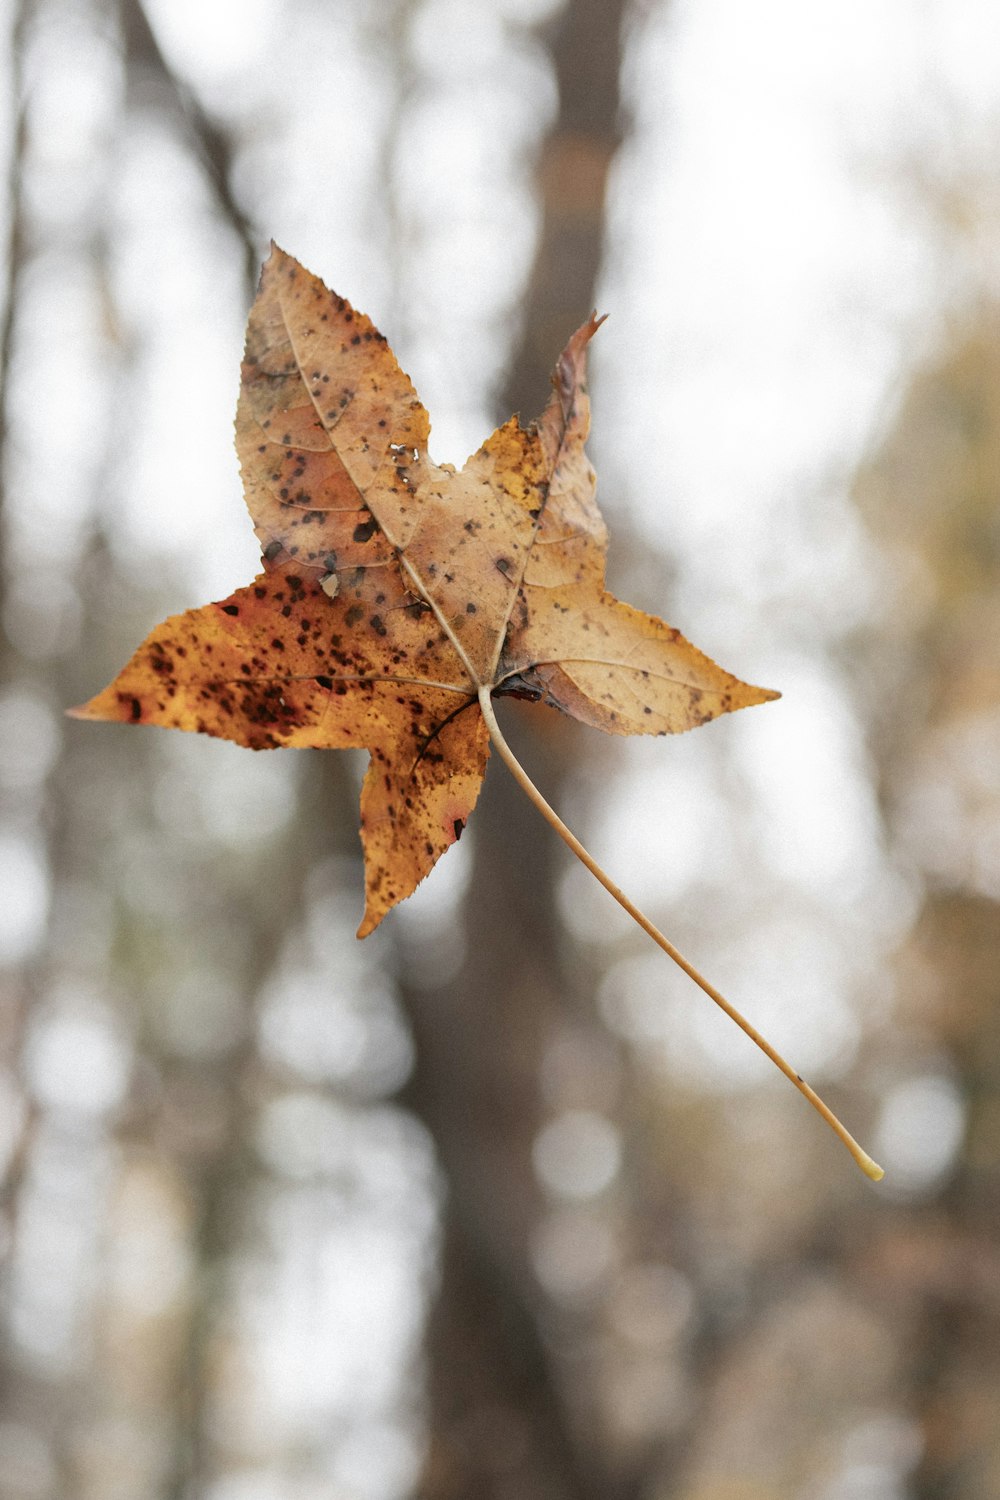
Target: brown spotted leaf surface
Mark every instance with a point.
(392, 589)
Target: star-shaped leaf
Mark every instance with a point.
(394, 590)
(399, 597)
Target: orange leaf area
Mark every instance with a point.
(395, 590)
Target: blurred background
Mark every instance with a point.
(495, 1204)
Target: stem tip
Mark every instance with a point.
(869, 1167)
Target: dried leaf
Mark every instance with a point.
(399, 597)
(395, 591)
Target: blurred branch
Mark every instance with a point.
(15, 241)
(394, 33)
(212, 144)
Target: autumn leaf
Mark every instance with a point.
(399, 598)
(394, 590)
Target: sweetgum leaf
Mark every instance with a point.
(394, 591)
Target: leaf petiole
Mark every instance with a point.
(868, 1166)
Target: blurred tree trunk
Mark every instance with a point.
(931, 499)
(957, 1363)
(498, 1421)
(242, 927)
(13, 1009)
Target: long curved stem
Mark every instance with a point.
(868, 1166)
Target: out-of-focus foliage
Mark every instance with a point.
(241, 1153)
